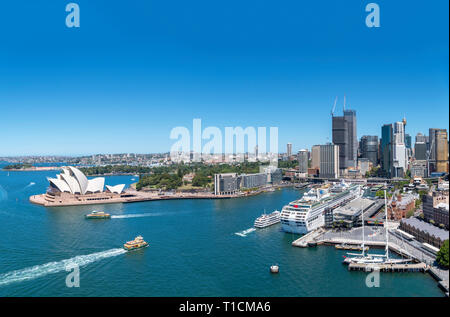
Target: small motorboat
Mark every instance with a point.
(274, 269)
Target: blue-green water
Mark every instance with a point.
(193, 251)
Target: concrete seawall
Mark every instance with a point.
(130, 196)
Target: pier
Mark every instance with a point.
(375, 238)
(414, 267)
(311, 238)
(350, 247)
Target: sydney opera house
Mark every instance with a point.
(72, 187)
(73, 181)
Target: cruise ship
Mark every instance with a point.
(307, 214)
(265, 220)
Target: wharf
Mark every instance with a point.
(311, 238)
(350, 247)
(377, 239)
(414, 267)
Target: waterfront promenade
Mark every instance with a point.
(376, 237)
(132, 195)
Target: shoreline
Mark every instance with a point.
(33, 169)
(132, 196)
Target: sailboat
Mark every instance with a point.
(375, 258)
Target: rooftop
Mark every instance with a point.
(426, 227)
(354, 207)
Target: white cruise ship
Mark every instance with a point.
(267, 220)
(306, 214)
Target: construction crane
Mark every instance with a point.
(334, 106)
(344, 102)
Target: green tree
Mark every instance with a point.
(417, 203)
(200, 180)
(408, 174)
(442, 256)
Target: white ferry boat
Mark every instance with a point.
(265, 220)
(307, 214)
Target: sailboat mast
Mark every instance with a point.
(362, 218)
(386, 222)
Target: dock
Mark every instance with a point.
(311, 238)
(413, 267)
(350, 247)
(422, 261)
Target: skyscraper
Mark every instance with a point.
(369, 148)
(329, 161)
(303, 161)
(408, 141)
(438, 150)
(420, 151)
(386, 149)
(344, 135)
(315, 156)
(353, 138)
(400, 158)
(289, 149)
(408, 145)
(421, 138)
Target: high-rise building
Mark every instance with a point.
(400, 158)
(353, 138)
(315, 156)
(344, 135)
(369, 148)
(408, 141)
(438, 150)
(421, 147)
(421, 138)
(329, 161)
(386, 149)
(420, 151)
(289, 149)
(302, 161)
(226, 184)
(408, 145)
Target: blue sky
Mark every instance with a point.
(136, 69)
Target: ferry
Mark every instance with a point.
(307, 214)
(98, 215)
(265, 220)
(137, 243)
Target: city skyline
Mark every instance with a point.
(130, 74)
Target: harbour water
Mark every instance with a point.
(193, 251)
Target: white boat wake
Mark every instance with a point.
(137, 215)
(245, 232)
(30, 184)
(37, 271)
